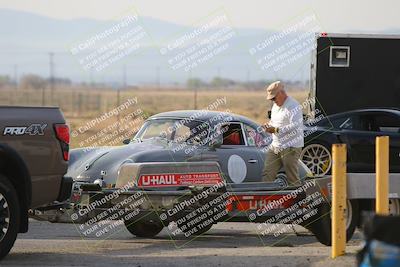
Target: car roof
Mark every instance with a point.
(202, 115)
(395, 111)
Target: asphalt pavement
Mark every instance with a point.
(226, 244)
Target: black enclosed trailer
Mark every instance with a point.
(353, 71)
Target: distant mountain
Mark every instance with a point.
(27, 39)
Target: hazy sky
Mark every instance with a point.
(334, 16)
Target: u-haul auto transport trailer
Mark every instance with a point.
(355, 70)
(150, 196)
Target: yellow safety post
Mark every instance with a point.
(382, 175)
(339, 195)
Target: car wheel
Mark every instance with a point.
(321, 227)
(318, 158)
(144, 228)
(9, 216)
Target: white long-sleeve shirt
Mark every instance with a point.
(288, 118)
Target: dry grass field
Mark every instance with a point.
(82, 106)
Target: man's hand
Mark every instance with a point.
(269, 128)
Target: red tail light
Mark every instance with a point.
(62, 133)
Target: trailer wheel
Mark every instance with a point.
(9, 216)
(318, 158)
(368, 205)
(394, 206)
(321, 227)
(144, 228)
(281, 179)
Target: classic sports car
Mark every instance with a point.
(358, 130)
(234, 141)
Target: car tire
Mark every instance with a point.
(317, 156)
(321, 227)
(9, 216)
(144, 228)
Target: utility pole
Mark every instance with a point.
(43, 97)
(13, 95)
(16, 76)
(248, 78)
(124, 84)
(195, 97)
(91, 78)
(158, 77)
(51, 68)
(119, 94)
(219, 72)
(194, 90)
(118, 104)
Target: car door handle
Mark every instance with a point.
(252, 161)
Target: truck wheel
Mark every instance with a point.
(321, 228)
(318, 158)
(9, 216)
(144, 228)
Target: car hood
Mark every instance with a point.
(89, 164)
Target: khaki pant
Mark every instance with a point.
(288, 158)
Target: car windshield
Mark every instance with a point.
(176, 130)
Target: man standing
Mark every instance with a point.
(286, 127)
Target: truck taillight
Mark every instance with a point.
(62, 133)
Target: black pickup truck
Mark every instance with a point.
(34, 151)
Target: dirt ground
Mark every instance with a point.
(226, 244)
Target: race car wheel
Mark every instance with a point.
(9, 216)
(144, 228)
(321, 226)
(318, 158)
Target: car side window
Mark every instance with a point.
(182, 133)
(384, 123)
(158, 128)
(345, 122)
(366, 124)
(233, 134)
(253, 137)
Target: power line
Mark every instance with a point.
(158, 81)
